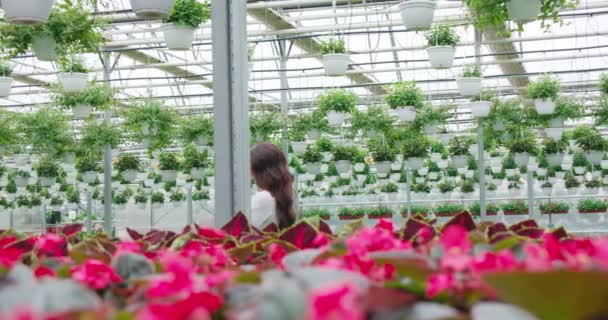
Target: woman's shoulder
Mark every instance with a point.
(262, 195)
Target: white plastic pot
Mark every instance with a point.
(336, 64)
(21, 182)
(555, 159)
(46, 181)
(197, 173)
(299, 147)
(469, 86)
(152, 9)
(81, 111)
(523, 11)
(430, 128)
(343, 166)
(441, 57)
(27, 12)
(480, 109)
(89, 176)
(6, 84)
(128, 175)
(556, 122)
(521, 159)
(68, 158)
(417, 14)
(406, 114)
(595, 157)
(555, 133)
(544, 106)
(313, 168)
(73, 81)
(383, 167)
(314, 134)
(360, 167)
(168, 175)
(178, 37)
(45, 48)
(459, 161)
(336, 118)
(414, 163)
(604, 164)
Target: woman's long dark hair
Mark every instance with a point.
(270, 171)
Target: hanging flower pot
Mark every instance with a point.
(556, 122)
(359, 167)
(314, 134)
(178, 37)
(21, 182)
(336, 64)
(595, 157)
(152, 9)
(46, 181)
(414, 163)
(430, 128)
(459, 161)
(89, 176)
(6, 84)
(499, 126)
(299, 147)
(335, 118)
(544, 106)
(27, 12)
(343, 166)
(417, 14)
(555, 159)
(128, 175)
(45, 48)
(73, 81)
(555, 133)
(521, 159)
(168, 175)
(406, 114)
(383, 167)
(313, 168)
(523, 11)
(441, 57)
(81, 111)
(481, 109)
(469, 87)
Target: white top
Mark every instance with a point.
(263, 207)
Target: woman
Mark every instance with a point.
(273, 203)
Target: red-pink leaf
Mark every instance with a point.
(271, 228)
(238, 226)
(523, 225)
(301, 235)
(134, 234)
(71, 229)
(462, 219)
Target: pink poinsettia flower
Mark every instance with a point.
(10, 256)
(491, 262)
(22, 314)
(127, 247)
(179, 276)
(277, 253)
(385, 225)
(51, 245)
(220, 279)
(600, 254)
(335, 302)
(95, 274)
(321, 240)
(196, 306)
(4, 241)
(455, 240)
(439, 283)
(537, 258)
(44, 271)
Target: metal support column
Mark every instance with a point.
(89, 212)
(231, 109)
(284, 86)
(481, 166)
(107, 159)
(43, 220)
(189, 218)
(530, 179)
(11, 221)
(151, 215)
(408, 191)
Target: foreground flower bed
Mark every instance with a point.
(418, 271)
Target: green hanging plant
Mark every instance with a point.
(96, 135)
(266, 124)
(312, 155)
(150, 121)
(459, 146)
(338, 100)
(168, 161)
(46, 130)
(433, 115)
(88, 162)
(442, 35)
(524, 142)
(416, 145)
(192, 128)
(332, 45)
(546, 87)
(6, 68)
(405, 94)
(127, 161)
(190, 13)
(98, 96)
(194, 158)
(71, 61)
(380, 149)
(47, 167)
(373, 119)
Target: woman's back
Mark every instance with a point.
(263, 209)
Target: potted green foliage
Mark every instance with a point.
(389, 188)
(151, 124)
(195, 162)
(74, 73)
(495, 14)
(491, 209)
(593, 186)
(200, 195)
(48, 170)
(553, 151)
(152, 9)
(417, 210)
(382, 153)
(321, 213)
(128, 165)
(177, 198)
(157, 198)
(430, 118)
(406, 99)
(380, 213)
(446, 187)
(481, 104)
(311, 124)
(415, 149)
(591, 142)
(169, 164)
(88, 165)
(21, 178)
(343, 156)
(299, 126)
(517, 207)
(544, 91)
(335, 60)
(592, 206)
(551, 207)
(459, 150)
(6, 82)
(371, 121)
(352, 214)
(97, 135)
(141, 199)
(27, 12)
(579, 163)
(181, 24)
(264, 125)
(312, 158)
(417, 14)
(441, 46)
(120, 200)
(46, 130)
(336, 104)
(467, 187)
(94, 97)
(197, 129)
(469, 83)
(449, 209)
(522, 148)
